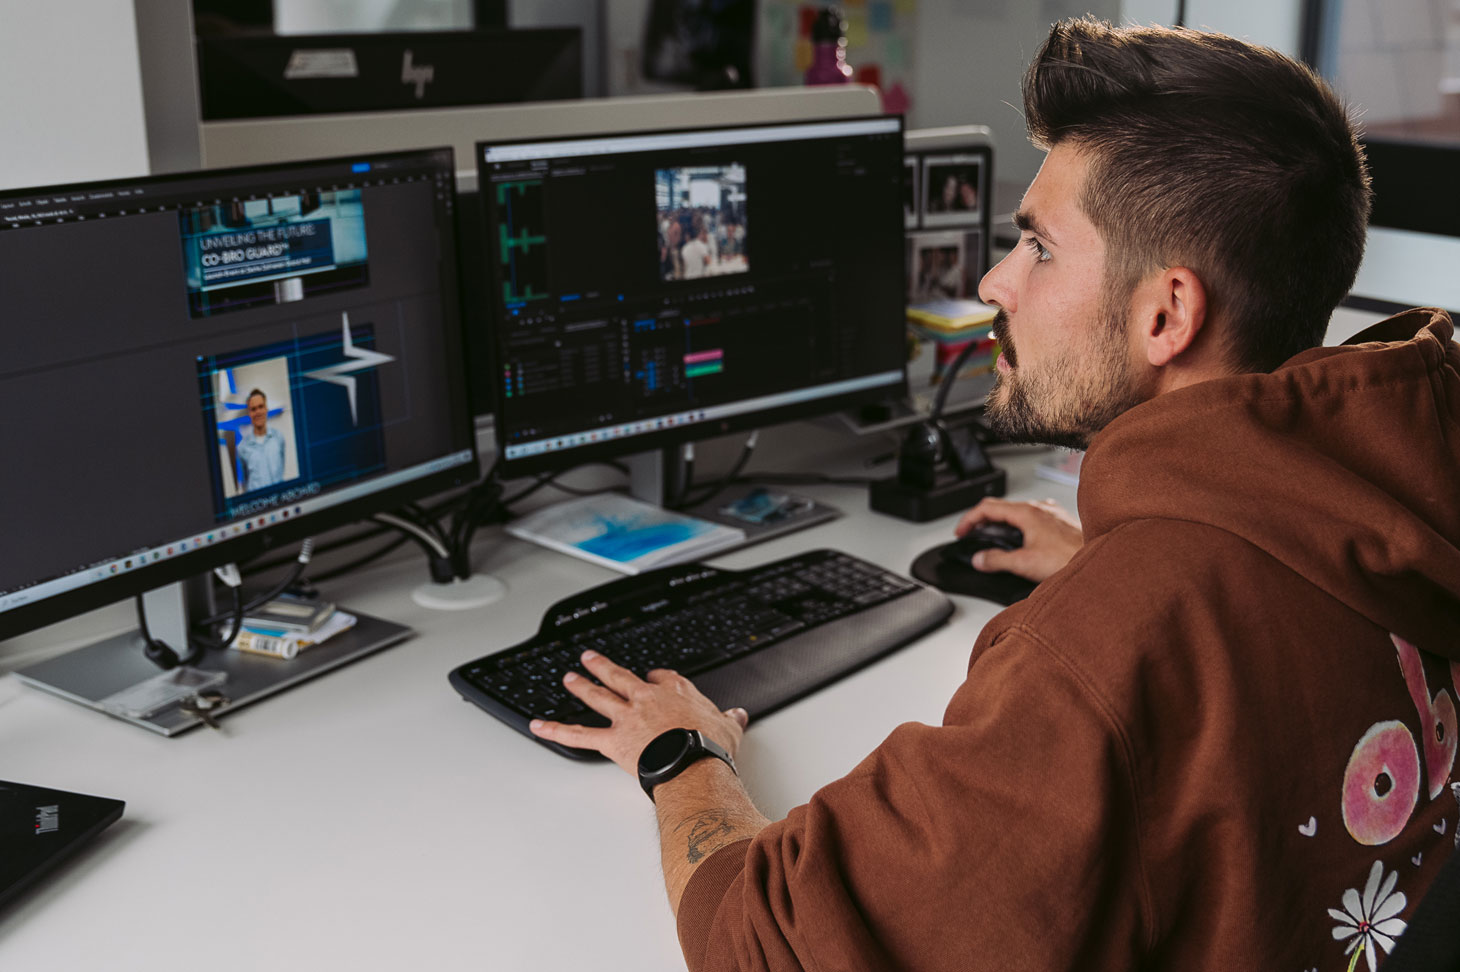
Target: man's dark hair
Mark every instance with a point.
(257, 391)
(1214, 154)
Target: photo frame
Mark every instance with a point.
(953, 190)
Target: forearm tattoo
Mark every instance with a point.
(707, 832)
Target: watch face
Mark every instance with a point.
(664, 750)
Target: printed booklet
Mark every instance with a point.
(624, 533)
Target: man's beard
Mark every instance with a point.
(1068, 399)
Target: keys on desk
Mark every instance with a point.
(756, 639)
(204, 706)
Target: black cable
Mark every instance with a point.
(683, 478)
(445, 506)
(237, 613)
(359, 562)
(950, 375)
(484, 496)
(574, 490)
(550, 479)
(160, 653)
(719, 486)
(522, 494)
(301, 560)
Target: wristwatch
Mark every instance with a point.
(671, 752)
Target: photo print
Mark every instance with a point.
(952, 190)
(938, 270)
(253, 418)
(701, 220)
(255, 252)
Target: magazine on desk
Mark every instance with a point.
(623, 533)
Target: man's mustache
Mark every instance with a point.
(1000, 327)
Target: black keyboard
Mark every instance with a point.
(758, 639)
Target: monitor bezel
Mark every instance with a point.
(678, 434)
(245, 546)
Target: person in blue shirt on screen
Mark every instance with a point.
(261, 449)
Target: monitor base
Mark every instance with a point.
(476, 591)
(96, 674)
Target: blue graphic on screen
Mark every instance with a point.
(317, 430)
(249, 253)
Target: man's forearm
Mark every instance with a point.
(701, 810)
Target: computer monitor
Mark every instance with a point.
(201, 366)
(652, 289)
(262, 74)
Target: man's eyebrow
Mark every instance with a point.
(1027, 223)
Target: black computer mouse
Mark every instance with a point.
(984, 536)
(949, 566)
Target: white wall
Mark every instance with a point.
(971, 57)
(72, 104)
(1274, 23)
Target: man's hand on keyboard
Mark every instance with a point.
(639, 710)
(1052, 536)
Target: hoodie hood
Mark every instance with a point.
(1343, 464)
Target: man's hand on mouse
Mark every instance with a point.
(639, 710)
(1051, 536)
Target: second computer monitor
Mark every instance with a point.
(651, 289)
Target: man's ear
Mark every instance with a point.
(1170, 310)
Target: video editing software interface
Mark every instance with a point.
(645, 283)
(193, 358)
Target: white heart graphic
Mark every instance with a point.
(1417, 858)
(1440, 827)
(1310, 828)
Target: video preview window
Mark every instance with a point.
(288, 420)
(251, 253)
(702, 229)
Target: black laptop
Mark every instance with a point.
(39, 828)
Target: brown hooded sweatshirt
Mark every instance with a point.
(1221, 738)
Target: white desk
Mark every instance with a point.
(371, 819)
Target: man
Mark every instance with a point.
(260, 450)
(1217, 735)
(671, 265)
(696, 253)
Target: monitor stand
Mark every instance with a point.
(114, 675)
(762, 512)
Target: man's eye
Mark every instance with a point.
(1040, 253)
